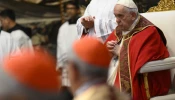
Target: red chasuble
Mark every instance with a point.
(143, 44)
(114, 36)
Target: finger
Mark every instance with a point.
(111, 51)
(110, 47)
(91, 18)
(111, 44)
(115, 42)
(112, 41)
(82, 20)
(87, 19)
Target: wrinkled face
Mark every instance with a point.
(71, 11)
(124, 18)
(4, 22)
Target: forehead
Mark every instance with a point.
(119, 9)
(70, 6)
(2, 18)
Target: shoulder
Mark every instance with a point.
(63, 28)
(3, 33)
(147, 32)
(149, 35)
(18, 34)
(151, 29)
(64, 25)
(5, 37)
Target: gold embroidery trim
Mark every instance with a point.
(117, 38)
(137, 31)
(145, 75)
(119, 75)
(129, 68)
(163, 5)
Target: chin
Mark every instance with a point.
(122, 29)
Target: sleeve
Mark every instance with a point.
(105, 27)
(144, 48)
(80, 27)
(60, 48)
(102, 27)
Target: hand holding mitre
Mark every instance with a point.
(88, 22)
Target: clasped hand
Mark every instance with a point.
(113, 47)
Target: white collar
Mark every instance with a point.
(132, 26)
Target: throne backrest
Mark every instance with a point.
(165, 20)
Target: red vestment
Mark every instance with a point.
(111, 37)
(114, 36)
(143, 44)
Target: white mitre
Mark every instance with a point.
(127, 3)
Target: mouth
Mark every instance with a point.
(120, 26)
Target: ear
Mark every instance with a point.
(79, 12)
(134, 15)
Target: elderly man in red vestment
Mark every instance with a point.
(142, 42)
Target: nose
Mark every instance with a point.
(118, 20)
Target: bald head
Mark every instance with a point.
(125, 16)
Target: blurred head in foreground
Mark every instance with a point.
(29, 77)
(88, 61)
(88, 64)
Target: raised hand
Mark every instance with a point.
(88, 22)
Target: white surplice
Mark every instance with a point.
(66, 36)
(7, 46)
(22, 40)
(105, 21)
